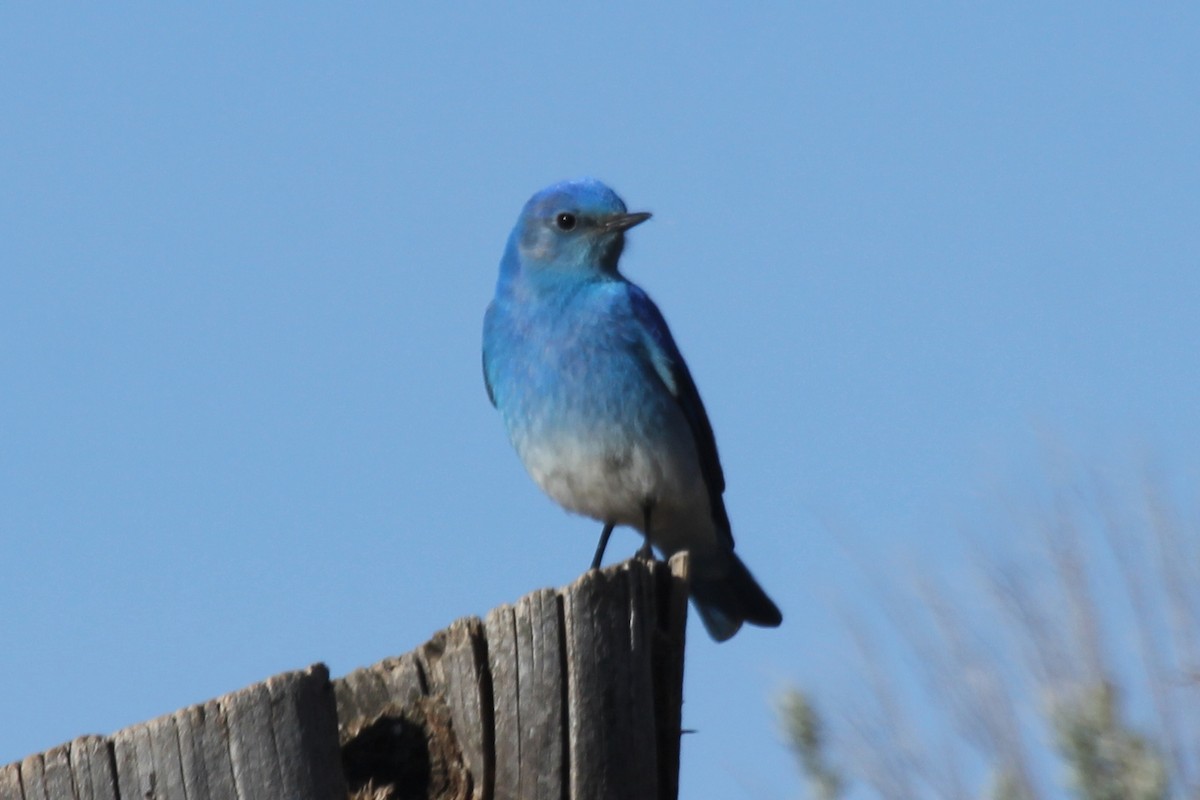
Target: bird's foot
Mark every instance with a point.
(600, 548)
(646, 552)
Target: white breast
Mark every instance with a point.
(613, 485)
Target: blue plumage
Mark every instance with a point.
(598, 401)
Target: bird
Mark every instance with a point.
(598, 402)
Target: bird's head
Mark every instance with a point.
(572, 229)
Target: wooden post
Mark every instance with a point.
(272, 740)
(575, 694)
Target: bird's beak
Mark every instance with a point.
(623, 222)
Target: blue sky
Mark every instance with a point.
(246, 252)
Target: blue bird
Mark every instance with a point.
(598, 401)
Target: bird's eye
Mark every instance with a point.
(565, 221)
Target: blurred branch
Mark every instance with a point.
(1034, 665)
(1106, 760)
(806, 736)
(1117, 532)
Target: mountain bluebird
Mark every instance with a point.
(598, 401)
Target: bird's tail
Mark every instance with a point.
(726, 595)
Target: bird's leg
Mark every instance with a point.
(645, 551)
(600, 547)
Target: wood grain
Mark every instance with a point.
(569, 694)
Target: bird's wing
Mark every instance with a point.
(487, 384)
(673, 371)
(487, 326)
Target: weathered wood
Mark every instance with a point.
(10, 783)
(369, 692)
(58, 772)
(255, 770)
(29, 781)
(190, 729)
(78, 770)
(277, 739)
(456, 668)
(396, 728)
(277, 751)
(304, 731)
(609, 689)
(525, 657)
(92, 768)
(404, 678)
(204, 745)
(565, 695)
(574, 693)
(541, 698)
(137, 774)
(33, 777)
(668, 654)
(360, 695)
(500, 627)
